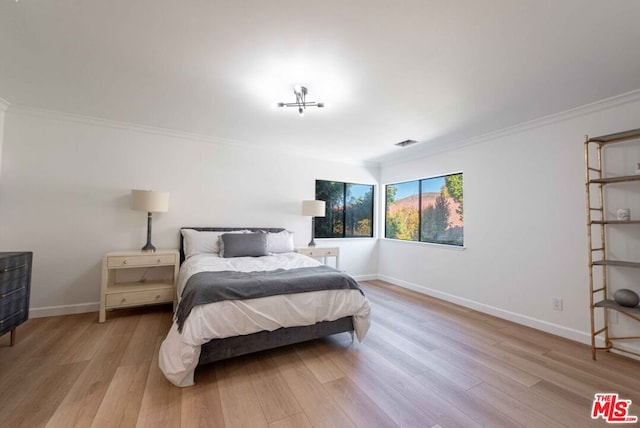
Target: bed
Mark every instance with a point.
(243, 290)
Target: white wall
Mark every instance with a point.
(524, 214)
(3, 108)
(65, 195)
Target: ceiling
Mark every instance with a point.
(436, 71)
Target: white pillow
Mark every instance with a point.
(198, 242)
(280, 242)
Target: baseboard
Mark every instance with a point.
(365, 277)
(632, 349)
(52, 311)
(558, 330)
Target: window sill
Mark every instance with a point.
(428, 244)
(364, 238)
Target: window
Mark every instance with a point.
(349, 210)
(427, 210)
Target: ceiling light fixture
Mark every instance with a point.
(301, 100)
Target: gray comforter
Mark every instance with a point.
(209, 287)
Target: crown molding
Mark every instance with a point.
(165, 132)
(108, 123)
(443, 147)
(4, 104)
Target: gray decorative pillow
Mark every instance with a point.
(244, 244)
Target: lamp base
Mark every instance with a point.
(148, 248)
(312, 243)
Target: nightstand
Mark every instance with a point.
(323, 252)
(141, 292)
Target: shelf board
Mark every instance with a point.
(612, 304)
(621, 263)
(615, 222)
(617, 137)
(619, 179)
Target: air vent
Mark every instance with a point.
(406, 143)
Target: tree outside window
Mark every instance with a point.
(427, 210)
(349, 210)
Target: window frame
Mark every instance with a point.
(420, 212)
(344, 211)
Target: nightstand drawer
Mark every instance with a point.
(13, 308)
(138, 261)
(16, 316)
(320, 252)
(14, 267)
(139, 297)
(9, 287)
(14, 287)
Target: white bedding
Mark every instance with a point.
(179, 353)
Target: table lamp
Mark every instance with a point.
(314, 209)
(150, 201)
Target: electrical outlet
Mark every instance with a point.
(557, 304)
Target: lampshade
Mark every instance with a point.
(313, 208)
(150, 201)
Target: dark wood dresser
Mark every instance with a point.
(15, 287)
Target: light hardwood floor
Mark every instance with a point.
(424, 363)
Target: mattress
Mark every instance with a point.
(179, 352)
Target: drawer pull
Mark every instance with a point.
(12, 292)
(125, 262)
(11, 316)
(124, 299)
(157, 297)
(9, 269)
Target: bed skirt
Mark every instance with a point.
(220, 349)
